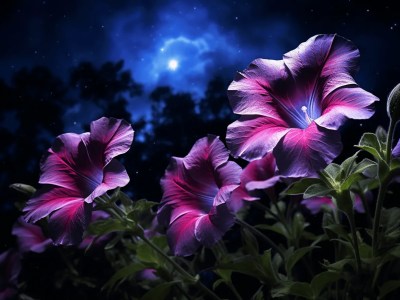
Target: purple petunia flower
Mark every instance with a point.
(316, 204)
(294, 106)
(30, 237)
(196, 191)
(10, 267)
(258, 175)
(77, 169)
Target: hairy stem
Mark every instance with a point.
(382, 191)
(355, 240)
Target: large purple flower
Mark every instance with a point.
(77, 169)
(196, 190)
(294, 106)
(30, 237)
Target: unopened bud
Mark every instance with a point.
(393, 104)
(23, 188)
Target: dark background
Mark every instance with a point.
(63, 64)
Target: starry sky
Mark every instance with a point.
(184, 44)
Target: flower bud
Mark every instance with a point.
(393, 104)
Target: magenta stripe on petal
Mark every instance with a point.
(196, 189)
(110, 137)
(67, 224)
(351, 102)
(303, 152)
(253, 137)
(76, 170)
(180, 235)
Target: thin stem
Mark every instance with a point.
(377, 217)
(366, 207)
(184, 273)
(389, 141)
(261, 235)
(355, 240)
(382, 191)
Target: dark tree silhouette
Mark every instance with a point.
(109, 87)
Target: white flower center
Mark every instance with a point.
(307, 117)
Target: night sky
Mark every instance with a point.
(181, 44)
(185, 43)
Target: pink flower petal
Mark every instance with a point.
(253, 137)
(315, 204)
(109, 138)
(196, 189)
(396, 150)
(302, 152)
(210, 228)
(251, 91)
(67, 224)
(351, 102)
(48, 199)
(258, 175)
(180, 235)
(319, 59)
(30, 237)
(69, 165)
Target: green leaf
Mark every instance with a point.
(353, 178)
(102, 227)
(255, 266)
(381, 135)
(299, 187)
(341, 264)
(298, 225)
(250, 244)
(259, 294)
(123, 274)
(295, 257)
(268, 266)
(369, 142)
(277, 228)
(26, 189)
(147, 255)
(331, 173)
(388, 287)
(111, 244)
(160, 292)
(348, 165)
(322, 280)
(140, 207)
(317, 190)
(299, 289)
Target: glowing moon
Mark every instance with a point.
(173, 64)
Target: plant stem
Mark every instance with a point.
(355, 240)
(382, 190)
(261, 235)
(184, 273)
(389, 141)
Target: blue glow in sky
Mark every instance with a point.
(206, 38)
